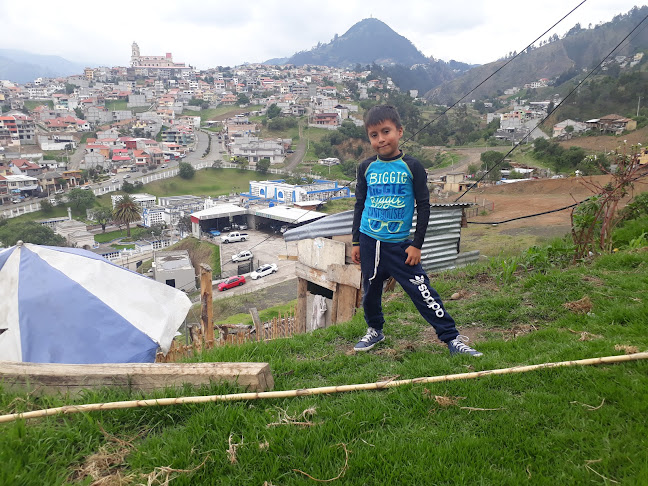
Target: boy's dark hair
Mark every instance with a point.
(381, 113)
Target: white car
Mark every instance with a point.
(242, 256)
(264, 270)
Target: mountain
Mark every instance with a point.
(23, 67)
(373, 45)
(369, 41)
(580, 49)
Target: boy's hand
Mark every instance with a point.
(413, 256)
(355, 254)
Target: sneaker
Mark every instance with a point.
(369, 340)
(458, 346)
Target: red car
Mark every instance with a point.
(231, 282)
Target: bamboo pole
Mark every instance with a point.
(90, 407)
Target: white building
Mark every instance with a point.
(142, 200)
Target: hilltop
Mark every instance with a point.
(580, 49)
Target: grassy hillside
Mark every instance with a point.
(207, 182)
(556, 426)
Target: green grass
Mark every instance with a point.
(337, 206)
(227, 110)
(207, 182)
(567, 426)
(31, 104)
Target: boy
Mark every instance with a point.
(389, 187)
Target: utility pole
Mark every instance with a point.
(638, 103)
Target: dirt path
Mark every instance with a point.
(468, 156)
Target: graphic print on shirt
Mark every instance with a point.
(389, 204)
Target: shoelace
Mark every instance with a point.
(371, 333)
(460, 341)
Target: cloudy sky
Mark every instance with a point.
(210, 33)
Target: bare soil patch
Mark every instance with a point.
(606, 143)
(526, 198)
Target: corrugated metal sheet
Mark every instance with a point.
(441, 247)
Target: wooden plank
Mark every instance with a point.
(346, 299)
(345, 275)
(207, 302)
(319, 253)
(293, 258)
(348, 242)
(72, 378)
(319, 277)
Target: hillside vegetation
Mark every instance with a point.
(581, 48)
(562, 426)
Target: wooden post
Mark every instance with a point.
(334, 305)
(257, 322)
(207, 301)
(300, 313)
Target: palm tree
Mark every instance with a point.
(126, 212)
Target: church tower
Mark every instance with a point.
(135, 54)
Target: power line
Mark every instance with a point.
(494, 223)
(549, 114)
(494, 73)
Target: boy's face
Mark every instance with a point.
(384, 138)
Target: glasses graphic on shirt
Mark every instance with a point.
(377, 225)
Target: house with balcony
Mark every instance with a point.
(20, 129)
(21, 185)
(253, 149)
(49, 181)
(325, 120)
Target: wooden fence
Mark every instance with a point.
(279, 327)
(482, 206)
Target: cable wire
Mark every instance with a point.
(494, 73)
(549, 114)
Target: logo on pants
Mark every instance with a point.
(427, 295)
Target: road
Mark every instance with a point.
(293, 160)
(266, 248)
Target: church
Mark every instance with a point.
(162, 66)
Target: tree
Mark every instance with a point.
(128, 187)
(242, 99)
(186, 170)
(29, 232)
(491, 157)
(79, 113)
(81, 199)
(46, 206)
(103, 216)
(263, 165)
(273, 111)
(184, 224)
(126, 212)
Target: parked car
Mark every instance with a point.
(127, 176)
(231, 282)
(233, 237)
(242, 256)
(264, 270)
